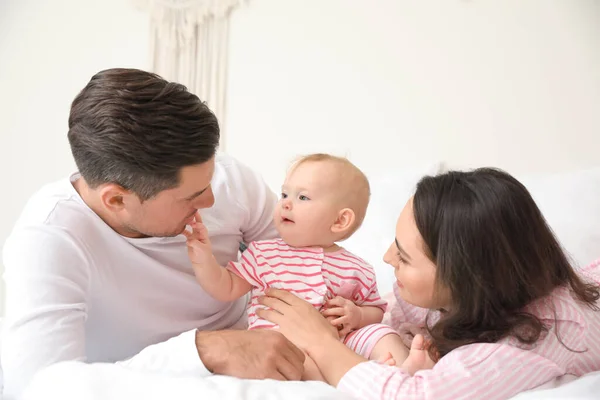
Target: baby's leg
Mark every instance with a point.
(390, 344)
(376, 341)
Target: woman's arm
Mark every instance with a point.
(482, 370)
(490, 371)
(334, 359)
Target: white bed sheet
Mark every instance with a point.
(78, 381)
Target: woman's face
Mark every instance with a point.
(415, 272)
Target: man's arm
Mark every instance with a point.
(47, 277)
(259, 354)
(46, 283)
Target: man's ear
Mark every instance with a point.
(115, 198)
(344, 221)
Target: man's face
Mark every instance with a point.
(168, 213)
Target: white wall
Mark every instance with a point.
(49, 49)
(509, 83)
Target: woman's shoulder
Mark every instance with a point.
(591, 271)
(571, 325)
(573, 329)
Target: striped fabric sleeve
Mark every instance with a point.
(373, 299)
(490, 371)
(592, 271)
(246, 267)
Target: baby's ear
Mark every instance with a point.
(344, 221)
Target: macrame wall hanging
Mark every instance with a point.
(189, 44)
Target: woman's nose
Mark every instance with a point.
(388, 256)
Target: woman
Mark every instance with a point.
(477, 265)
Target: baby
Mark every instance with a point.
(323, 201)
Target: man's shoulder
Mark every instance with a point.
(237, 186)
(44, 203)
(54, 207)
(46, 237)
(234, 175)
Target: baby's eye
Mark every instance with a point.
(303, 197)
(283, 195)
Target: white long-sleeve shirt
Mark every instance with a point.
(77, 290)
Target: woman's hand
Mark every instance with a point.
(298, 320)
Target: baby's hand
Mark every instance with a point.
(198, 242)
(347, 314)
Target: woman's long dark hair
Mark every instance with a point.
(496, 254)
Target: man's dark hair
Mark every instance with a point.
(138, 130)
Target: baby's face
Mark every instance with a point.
(308, 206)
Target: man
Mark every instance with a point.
(97, 267)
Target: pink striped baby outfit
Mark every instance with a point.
(491, 370)
(315, 276)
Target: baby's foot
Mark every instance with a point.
(418, 357)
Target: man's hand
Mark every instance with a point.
(256, 354)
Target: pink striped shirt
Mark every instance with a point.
(491, 370)
(309, 273)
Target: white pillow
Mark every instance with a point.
(570, 203)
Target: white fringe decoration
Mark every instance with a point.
(189, 44)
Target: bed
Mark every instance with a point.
(568, 200)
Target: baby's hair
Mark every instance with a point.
(356, 189)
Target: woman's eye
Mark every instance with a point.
(402, 260)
